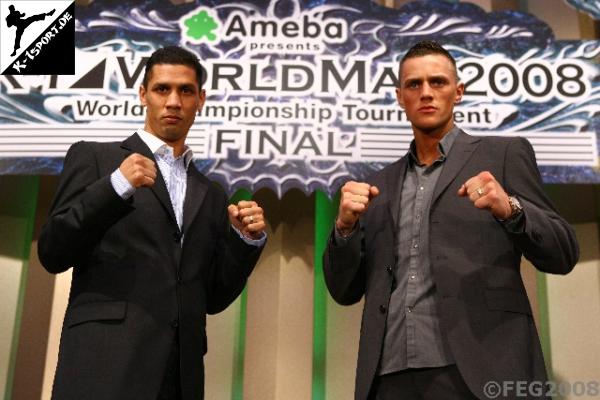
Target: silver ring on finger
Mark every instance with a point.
(480, 191)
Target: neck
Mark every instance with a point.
(177, 148)
(427, 144)
(177, 144)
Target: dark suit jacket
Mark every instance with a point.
(134, 282)
(483, 308)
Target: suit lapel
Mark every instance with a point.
(136, 145)
(394, 181)
(194, 196)
(462, 149)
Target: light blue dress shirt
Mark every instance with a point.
(174, 171)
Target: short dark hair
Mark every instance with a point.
(173, 55)
(425, 48)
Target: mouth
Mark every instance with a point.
(171, 119)
(427, 109)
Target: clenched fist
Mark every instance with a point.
(138, 170)
(485, 192)
(248, 218)
(354, 201)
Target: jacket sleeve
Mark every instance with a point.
(234, 260)
(547, 240)
(84, 206)
(344, 268)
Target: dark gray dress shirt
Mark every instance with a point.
(413, 338)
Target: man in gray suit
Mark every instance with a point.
(434, 243)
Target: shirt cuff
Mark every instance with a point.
(515, 224)
(253, 242)
(121, 185)
(341, 240)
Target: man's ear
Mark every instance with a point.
(399, 97)
(142, 93)
(202, 99)
(460, 90)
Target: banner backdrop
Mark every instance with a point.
(301, 92)
(592, 8)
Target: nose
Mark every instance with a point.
(426, 91)
(173, 100)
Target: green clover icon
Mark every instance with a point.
(201, 25)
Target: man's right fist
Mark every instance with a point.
(138, 170)
(354, 201)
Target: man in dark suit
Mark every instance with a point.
(153, 250)
(434, 243)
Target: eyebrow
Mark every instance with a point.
(428, 78)
(432, 76)
(178, 85)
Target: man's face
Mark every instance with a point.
(428, 91)
(172, 99)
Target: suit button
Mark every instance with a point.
(174, 323)
(179, 280)
(176, 237)
(382, 309)
(389, 270)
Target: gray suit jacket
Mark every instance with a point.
(134, 280)
(483, 308)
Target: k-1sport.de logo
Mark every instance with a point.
(37, 37)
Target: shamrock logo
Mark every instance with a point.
(201, 25)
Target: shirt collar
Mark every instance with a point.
(444, 146)
(157, 146)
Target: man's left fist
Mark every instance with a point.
(248, 218)
(485, 192)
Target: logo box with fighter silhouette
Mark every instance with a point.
(37, 37)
